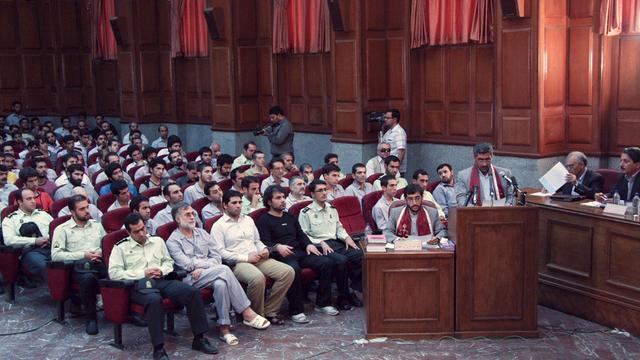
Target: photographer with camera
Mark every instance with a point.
(279, 132)
(393, 134)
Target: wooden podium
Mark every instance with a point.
(495, 270)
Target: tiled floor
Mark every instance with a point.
(324, 338)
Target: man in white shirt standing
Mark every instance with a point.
(237, 240)
(396, 137)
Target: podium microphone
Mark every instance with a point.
(475, 195)
(469, 196)
(506, 178)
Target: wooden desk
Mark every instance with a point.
(409, 294)
(588, 263)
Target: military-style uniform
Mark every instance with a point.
(34, 258)
(69, 242)
(129, 260)
(322, 224)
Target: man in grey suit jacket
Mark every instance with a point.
(417, 225)
(489, 180)
(280, 135)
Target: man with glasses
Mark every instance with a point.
(580, 180)
(483, 182)
(375, 165)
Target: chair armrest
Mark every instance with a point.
(176, 275)
(117, 284)
(11, 249)
(66, 264)
(229, 263)
(115, 295)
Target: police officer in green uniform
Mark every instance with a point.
(28, 227)
(322, 225)
(146, 260)
(79, 240)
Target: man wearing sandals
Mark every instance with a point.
(193, 250)
(238, 242)
(145, 260)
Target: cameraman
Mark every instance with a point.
(280, 133)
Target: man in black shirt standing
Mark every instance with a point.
(281, 232)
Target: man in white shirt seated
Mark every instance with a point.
(96, 214)
(157, 170)
(375, 165)
(196, 191)
(296, 195)
(75, 174)
(276, 167)
(380, 212)
(64, 130)
(174, 143)
(247, 155)
(306, 171)
(214, 207)
(135, 153)
(101, 144)
(238, 241)
(331, 174)
(149, 155)
(140, 205)
(289, 164)
(161, 141)
(392, 168)
(251, 199)
(120, 189)
(68, 160)
(224, 167)
(206, 155)
(259, 165)
(173, 194)
(133, 126)
(359, 187)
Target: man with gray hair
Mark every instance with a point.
(580, 180)
(484, 183)
(296, 195)
(376, 164)
(194, 251)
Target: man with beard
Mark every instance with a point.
(628, 184)
(483, 180)
(359, 187)
(178, 163)
(196, 191)
(75, 173)
(414, 219)
(246, 158)
(42, 169)
(195, 251)
(114, 173)
(297, 186)
(445, 193)
(214, 207)
(29, 177)
(79, 240)
(224, 168)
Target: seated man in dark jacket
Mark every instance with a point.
(580, 180)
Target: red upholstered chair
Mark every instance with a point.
(126, 163)
(157, 207)
(99, 185)
(225, 185)
(104, 201)
(297, 207)
(317, 173)
(399, 193)
(58, 205)
(132, 171)
(12, 196)
(192, 155)
(291, 174)
(350, 215)
(178, 175)
(610, 178)
(58, 167)
(27, 163)
(209, 223)
(374, 177)
(95, 176)
(432, 186)
(114, 219)
(256, 214)
(244, 168)
(287, 191)
(348, 180)
(9, 259)
(59, 274)
(152, 192)
(199, 204)
(261, 177)
(368, 202)
(137, 182)
(93, 158)
(185, 186)
(115, 294)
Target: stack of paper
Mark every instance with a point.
(376, 243)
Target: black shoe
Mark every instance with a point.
(160, 355)
(353, 299)
(203, 345)
(92, 327)
(344, 304)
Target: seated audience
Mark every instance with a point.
(289, 164)
(391, 168)
(95, 213)
(120, 189)
(359, 187)
(214, 207)
(75, 175)
(445, 193)
(29, 177)
(259, 165)
(380, 211)
(246, 158)
(156, 171)
(161, 141)
(191, 176)
(236, 178)
(296, 194)
(224, 162)
(306, 171)
(375, 165)
(276, 168)
(251, 200)
(196, 191)
(114, 173)
(331, 176)
(140, 205)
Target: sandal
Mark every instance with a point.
(275, 320)
(230, 339)
(258, 322)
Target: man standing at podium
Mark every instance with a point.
(414, 219)
(483, 183)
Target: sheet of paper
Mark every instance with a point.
(592, 204)
(615, 209)
(554, 178)
(540, 193)
(408, 245)
(423, 238)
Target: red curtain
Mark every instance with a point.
(103, 42)
(189, 35)
(300, 26)
(444, 22)
(619, 17)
